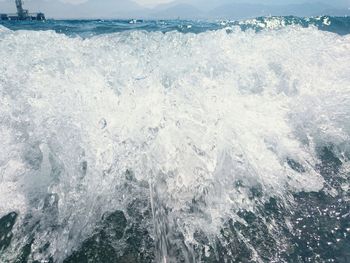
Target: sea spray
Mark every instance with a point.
(191, 139)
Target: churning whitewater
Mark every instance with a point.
(142, 146)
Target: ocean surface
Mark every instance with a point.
(175, 141)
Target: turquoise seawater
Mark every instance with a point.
(86, 28)
(175, 141)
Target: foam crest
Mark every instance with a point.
(3, 29)
(204, 125)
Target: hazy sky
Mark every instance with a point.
(173, 8)
(152, 2)
(140, 2)
(156, 2)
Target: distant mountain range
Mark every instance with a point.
(191, 9)
(89, 9)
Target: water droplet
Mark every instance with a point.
(102, 123)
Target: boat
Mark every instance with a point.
(22, 14)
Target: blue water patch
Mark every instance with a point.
(88, 28)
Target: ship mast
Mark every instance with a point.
(20, 11)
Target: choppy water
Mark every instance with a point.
(89, 28)
(175, 141)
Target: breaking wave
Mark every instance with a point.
(174, 136)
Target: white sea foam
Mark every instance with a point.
(203, 118)
(3, 29)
